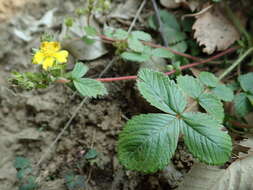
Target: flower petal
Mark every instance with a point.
(38, 57)
(61, 56)
(49, 61)
(50, 46)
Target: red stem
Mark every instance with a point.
(230, 50)
(110, 40)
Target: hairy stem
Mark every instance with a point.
(171, 72)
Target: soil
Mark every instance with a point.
(30, 121)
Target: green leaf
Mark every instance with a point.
(242, 104)
(205, 139)
(212, 105)
(190, 85)
(91, 154)
(21, 163)
(140, 35)
(174, 36)
(75, 182)
(90, 87)
(147, 142)
(163, 53)
(167, 18)
(161, 92)
(209, 79)
(90, 31)
(120, 34)
(250, 97)
(223, 93)
(108, 31)
(180, 46)
(130, 56)
(135, 44)
(246, 82)
(79, 70)
(88, 40)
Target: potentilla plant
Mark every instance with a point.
(148, 141)
(53, 61)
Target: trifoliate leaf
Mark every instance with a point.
(242, 104)
(135, 44)
(90, 31)
(120, 34)
(79, 70)
(246, 82)
(147, 142)
(89, 87)
(138, 57)
(212, 105)
(209, 79)
(190, 85)
(223, 93)
(21, 163)
(163, 53)
(160, 91)
(205, 139)
(140, 35)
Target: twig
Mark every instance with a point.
(46, 153)
(197, 14)
(160, 23)
(137, 16)
(108, 66)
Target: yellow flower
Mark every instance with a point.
(49, 53)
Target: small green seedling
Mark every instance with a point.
(25, 177)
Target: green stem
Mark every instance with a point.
(236, 63)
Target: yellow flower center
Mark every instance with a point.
(50, 48)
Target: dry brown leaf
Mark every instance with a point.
(201, 177)
(214, 31)
(238, 176)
